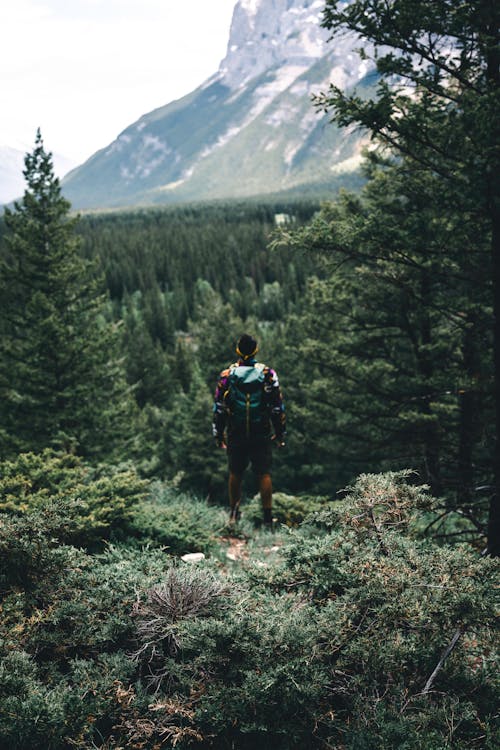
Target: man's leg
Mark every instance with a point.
(237, 456)
(234, 487)
(266, 496)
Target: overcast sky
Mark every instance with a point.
(83, 70)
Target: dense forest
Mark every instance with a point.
(366, 620)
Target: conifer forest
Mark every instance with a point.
(366, 618)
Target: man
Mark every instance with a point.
(249, 416)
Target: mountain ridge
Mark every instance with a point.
(248, 130)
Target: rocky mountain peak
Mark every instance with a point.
(249, 130)
(268, 33)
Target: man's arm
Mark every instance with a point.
(278, 416)
(219, 409)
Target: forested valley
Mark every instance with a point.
(366, 619)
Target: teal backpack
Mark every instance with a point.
(245, 397)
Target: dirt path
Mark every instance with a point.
(242, 549)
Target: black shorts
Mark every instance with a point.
(258, 452)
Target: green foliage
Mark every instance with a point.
(97, 501)
(437, 106)
(393, 343)
(287, 509)
(187, 447)
(331, 644)
(61, 382)
(29, 544)
(65, 615)
(179, 522)
(164, 254)
(38, 714)
(62, 648)
(335, 645)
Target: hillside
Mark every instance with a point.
(326, 635)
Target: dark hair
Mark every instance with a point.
(247, 346)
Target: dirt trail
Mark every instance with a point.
(240, 549)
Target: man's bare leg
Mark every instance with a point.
(266, 496)
(234, 488)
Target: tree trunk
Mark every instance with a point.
(493, 173)
(426, 369)
(494, 512)
(466, 400)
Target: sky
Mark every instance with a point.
(83, 70)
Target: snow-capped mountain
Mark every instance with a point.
(250, 129)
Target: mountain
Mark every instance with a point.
(249, 130)
(11, 172)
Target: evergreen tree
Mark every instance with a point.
(187, 451)
(438, 104)
(147, 367)
(394, 338)
(214, 329)
(60, 379)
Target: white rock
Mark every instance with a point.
(192, 557)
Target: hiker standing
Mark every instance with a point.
(249, 416)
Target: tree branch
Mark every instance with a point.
(444, 656)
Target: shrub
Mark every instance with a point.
(98, 500)
(334, 646)
(290, 510)
(64, 640)
(331, 646)
(178, 521)
(184, 593)
(30, 544)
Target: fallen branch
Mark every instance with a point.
(442, 660)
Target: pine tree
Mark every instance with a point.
(189, 450)
(438, 104)
(392, 337)
(60, 379)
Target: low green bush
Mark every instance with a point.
(290, 510)
(65, 631)
(333, 646)
(177, 521)
(98, 500)
(329, 645)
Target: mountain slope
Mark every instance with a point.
(251, 129)
(11, 173)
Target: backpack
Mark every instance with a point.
(245, 398)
